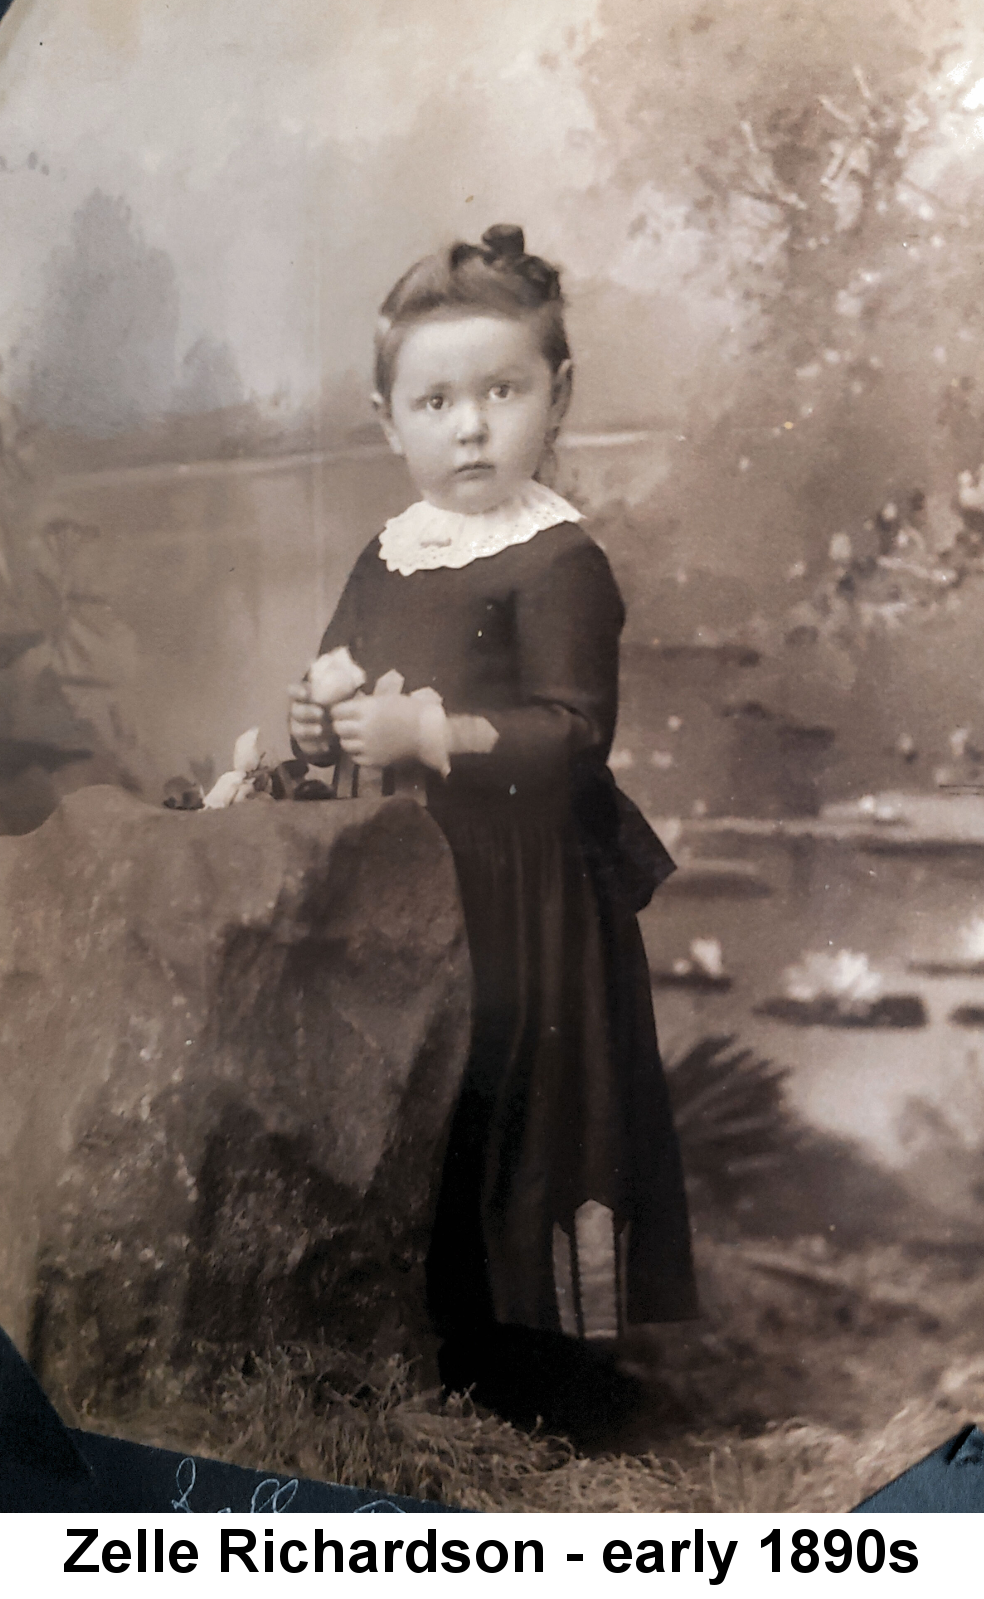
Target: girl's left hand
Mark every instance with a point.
(307, 723)
(379, 730)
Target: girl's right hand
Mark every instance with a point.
(309, 724)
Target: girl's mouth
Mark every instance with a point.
(476, 467)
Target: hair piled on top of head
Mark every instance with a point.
(496, 277)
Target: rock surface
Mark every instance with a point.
(230, 1043)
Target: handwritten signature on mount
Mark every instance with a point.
(278, 1495)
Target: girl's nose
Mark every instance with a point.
(472, 426)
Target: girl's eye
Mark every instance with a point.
(435, 402)
(501, 391)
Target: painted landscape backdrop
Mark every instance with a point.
(769, 219)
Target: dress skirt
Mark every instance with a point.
(564, 1101)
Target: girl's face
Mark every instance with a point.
(472, 405)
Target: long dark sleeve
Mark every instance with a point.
(568, 618)
(346, 626)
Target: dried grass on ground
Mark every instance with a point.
(401, 1441)
(837, 1337)
(819, 1372)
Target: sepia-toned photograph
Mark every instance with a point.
(492, 740)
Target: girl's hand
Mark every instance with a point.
(391, 727)
(308, 723)
(380, 730)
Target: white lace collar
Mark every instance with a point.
(424, 537)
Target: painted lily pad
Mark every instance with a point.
(891, 1010)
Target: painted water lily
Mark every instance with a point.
(845, 977)
(972, 940)
(708, 956)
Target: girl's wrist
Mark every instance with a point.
(440, 736)
(433, 738)
(471, 735)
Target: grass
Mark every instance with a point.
(396, 1439)
(819, 1371)
(828, 1334)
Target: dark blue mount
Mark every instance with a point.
(951, 1478)
(45, 1465)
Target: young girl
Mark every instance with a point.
(502, 618)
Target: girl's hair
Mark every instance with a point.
(496, 277)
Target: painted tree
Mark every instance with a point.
(61, 649)
(798, 265)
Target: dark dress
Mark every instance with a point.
(564, 1099)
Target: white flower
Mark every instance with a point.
(708, 956)
(226, 791)
(845, 977)
(235, 786)
(246, 754)
(334, 677)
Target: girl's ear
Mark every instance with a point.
(561, 392)
(385, 419)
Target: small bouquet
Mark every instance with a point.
(329, 680)
(247, 779)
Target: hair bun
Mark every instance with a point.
(504, 239)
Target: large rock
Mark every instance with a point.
(230, 1042)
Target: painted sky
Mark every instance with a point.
(290, 160)
(203, 202)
